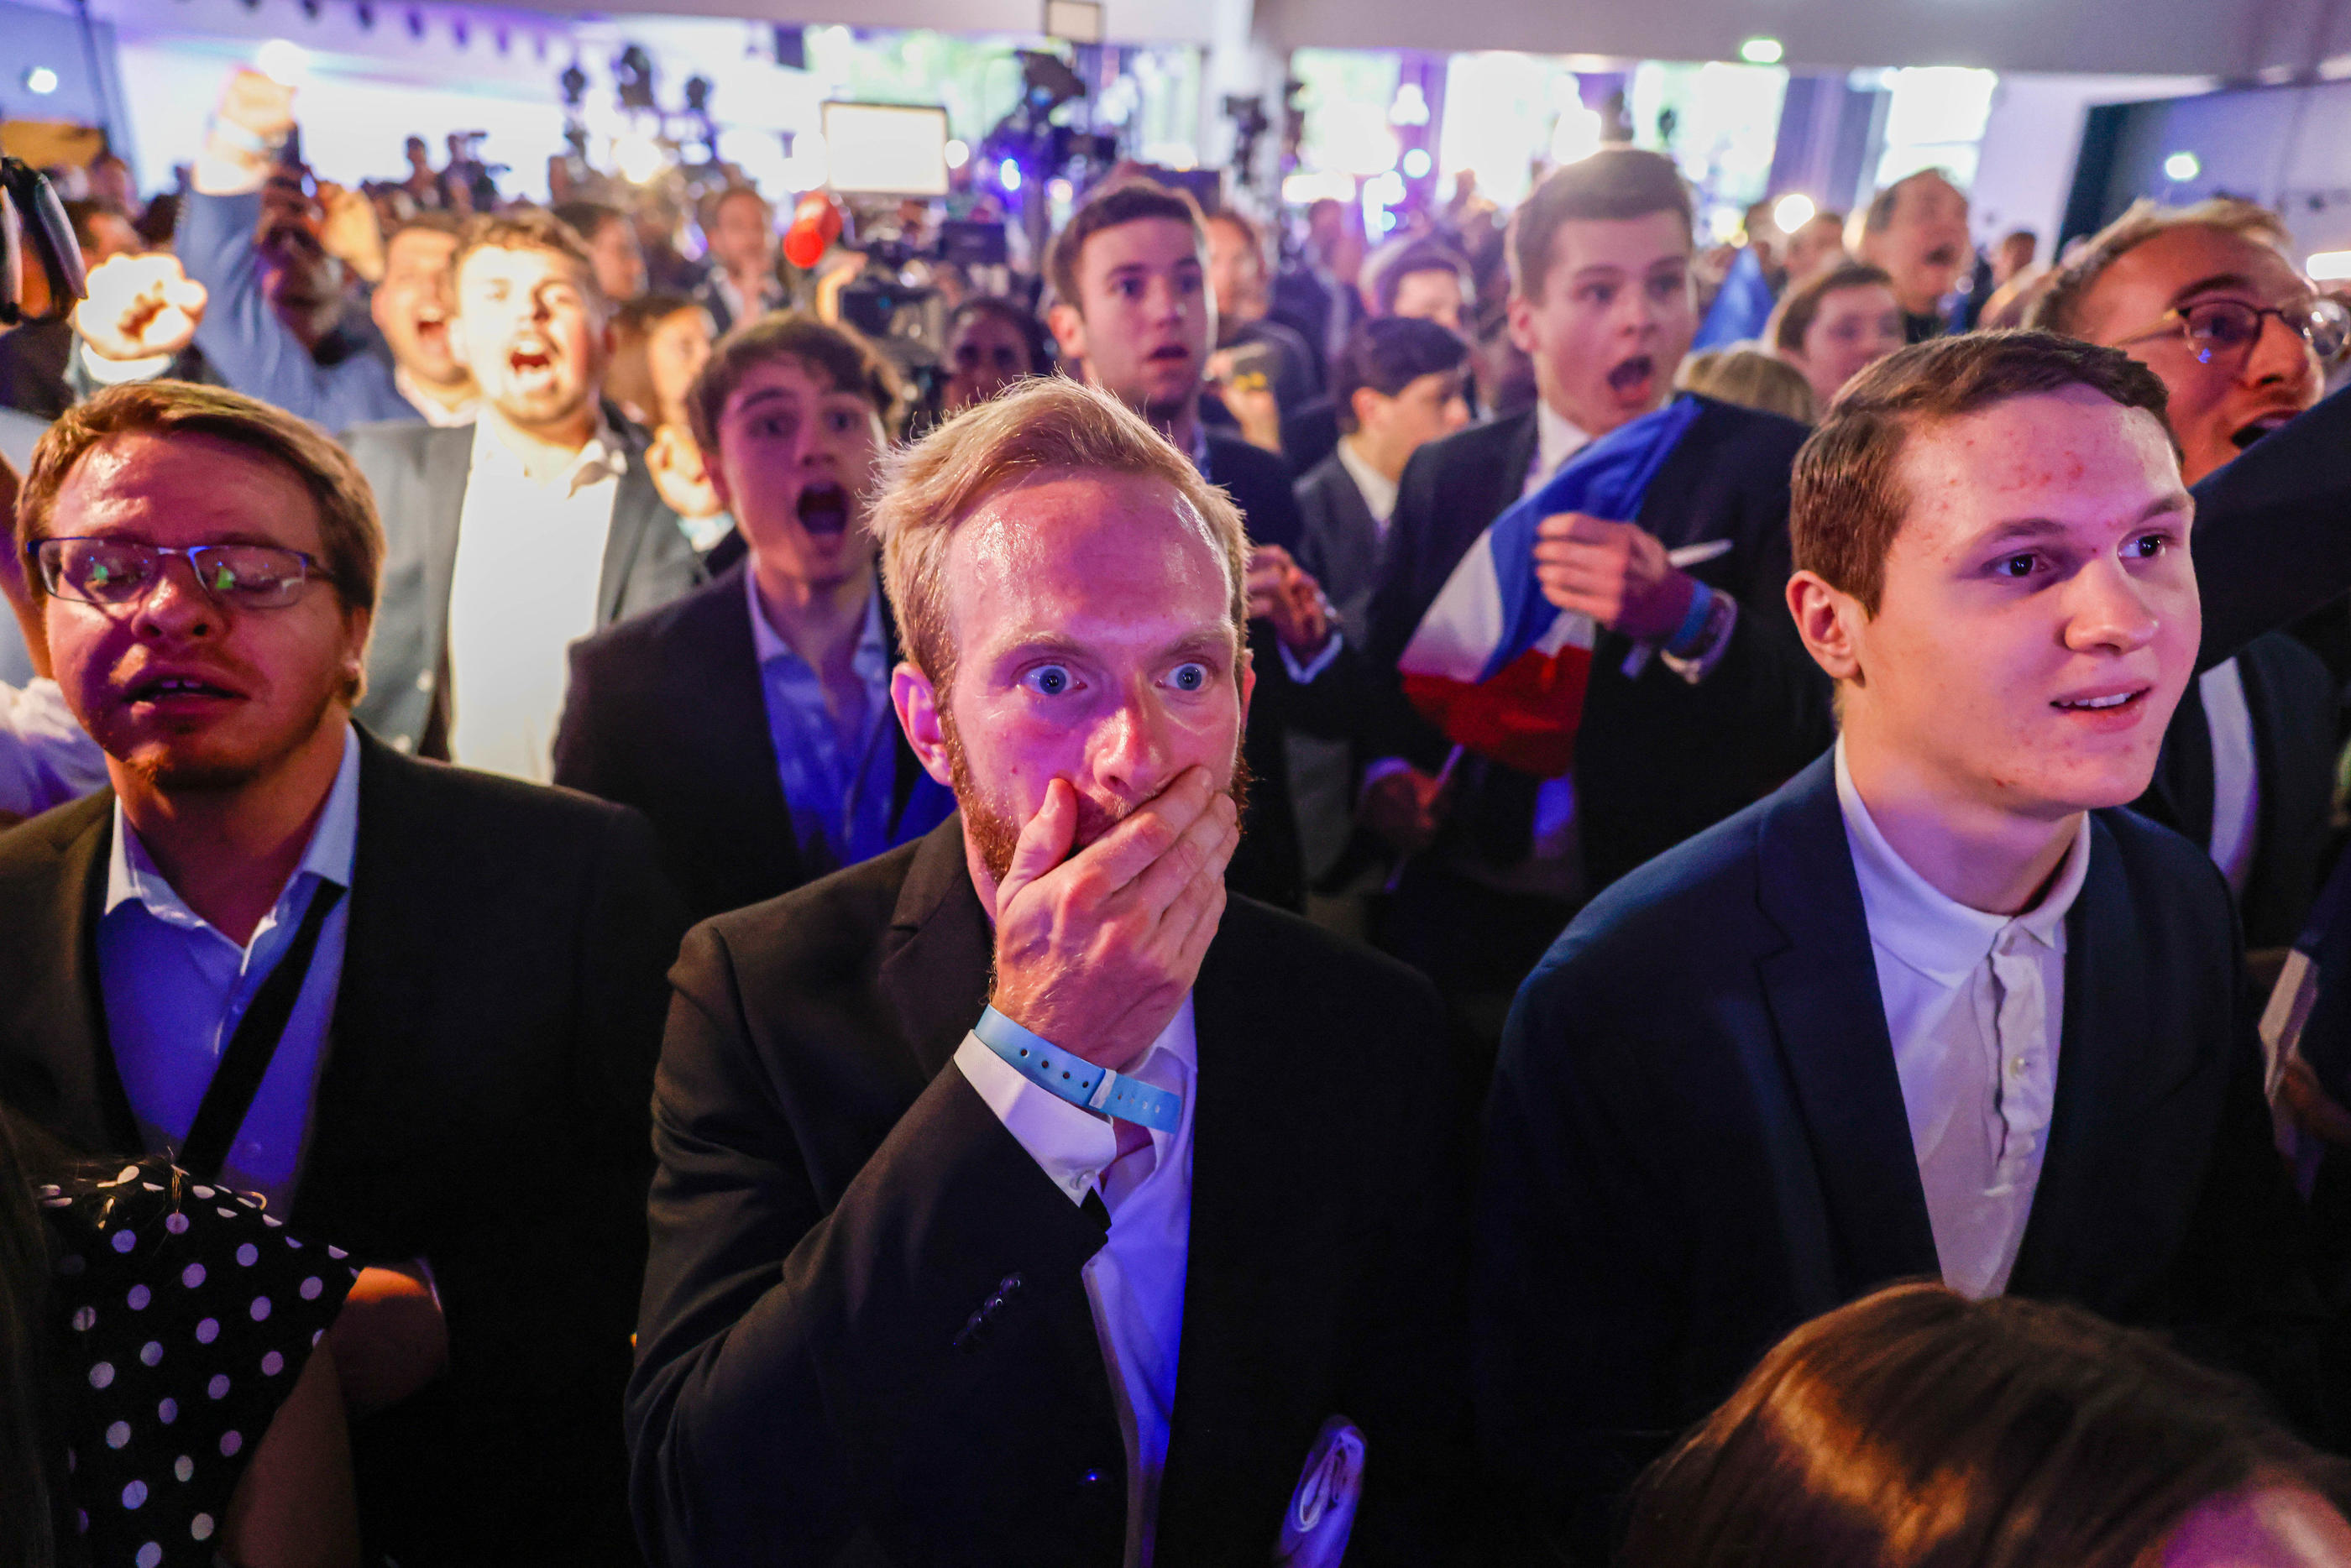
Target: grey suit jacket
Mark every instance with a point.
(419, 475)
(1342, 543)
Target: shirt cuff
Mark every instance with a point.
(1304, 674)
(1069, 1143)
(1699, 662)
(116, 372)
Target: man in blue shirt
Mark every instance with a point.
(751, 720)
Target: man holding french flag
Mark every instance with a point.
(1582, 604)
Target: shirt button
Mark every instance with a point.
(425, 681)
(402, 743)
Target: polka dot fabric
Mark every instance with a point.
(184, 1316)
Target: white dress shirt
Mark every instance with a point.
(434, 412)
(1136, 1281)
(2236, 778)
(175, 988)
(529, 557)
(1975, 1004)
(47, 758)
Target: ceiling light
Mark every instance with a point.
(1761, 51)
(41, 80)
(2182, 166)
(1792, 212)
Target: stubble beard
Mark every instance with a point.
(995, 831)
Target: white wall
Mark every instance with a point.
(2025, 167)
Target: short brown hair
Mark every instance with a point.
(840, 355)
(1848, 501)
(1041, 425)
(1915, 1427)
(528, 229)
(1801, 305)
(351, 535)
(431, 222)
(1615, 183)
(2060, 307)
(1110, 206)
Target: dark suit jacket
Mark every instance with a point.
(1342, 543)
(1697, 1140)
(481, 1105)
(666, 712)
(865, 1336)
(1270, 864)
(419, 475)
(1657, 758)
(2292, 702)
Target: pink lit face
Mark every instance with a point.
(2270, 1527)
(2039, 619)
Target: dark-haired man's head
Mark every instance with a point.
(1835, 323)
(1990, 537)
(531, 324)
(991, 343)
(1426, 282)
(1601, 295)
(792, 417)
(2205, 297)
(611, 241)
(742, 233)
(1130, 275)
(1917, 230)
(1399, 387)
(1237, 269)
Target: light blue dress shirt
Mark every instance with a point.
(838, 773)
(175, 987)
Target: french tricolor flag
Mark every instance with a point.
(1496, 665)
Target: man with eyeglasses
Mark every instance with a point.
(264, 878)
(2205, 297)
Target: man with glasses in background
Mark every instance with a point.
(264, 875)
(2206, 298)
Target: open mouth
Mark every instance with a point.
(172, 688)
(432, 330)
(1169, 354)
(531, 360)
(824, 510)
(1633, 377)
(2108, 702)
(2258, 429)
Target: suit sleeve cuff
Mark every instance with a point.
(1698, 662)
(1071, 1144)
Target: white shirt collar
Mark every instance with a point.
(436, 413)
(1923, 928)
(131, 872)
(1378, 491)
(605, 456)
(1556, 439)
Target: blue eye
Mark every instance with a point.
(1191, 677)
(1049, 680)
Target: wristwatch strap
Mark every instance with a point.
(1071, 1077)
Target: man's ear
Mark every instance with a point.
(1068, 329)
(1829, 619)
(712, 471)
(917, 704)
(1518, 312)
(1361, 402)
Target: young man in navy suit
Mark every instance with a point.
(1936, 1007)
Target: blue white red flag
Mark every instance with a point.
(1495, 665)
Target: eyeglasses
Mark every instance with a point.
(118, 572)
(2228, 328)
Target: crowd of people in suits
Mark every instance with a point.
(713, 959)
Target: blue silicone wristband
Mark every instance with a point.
(1686, 635)
(1071, 1077)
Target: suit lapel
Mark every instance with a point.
(448, 464)
(61, 1017)
(637, 509)
(1823, 992)
(939, 950)
(726, 714)
(2105, 1045)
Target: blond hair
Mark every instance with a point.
(1745, 375)
(1043, 425)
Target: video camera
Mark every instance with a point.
(32, 218)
